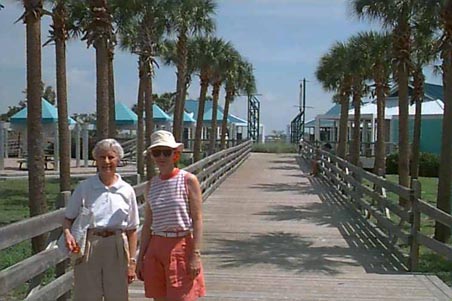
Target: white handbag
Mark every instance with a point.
(79, 230)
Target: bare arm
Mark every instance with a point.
(71, 244)
(145, 231)
(195, 197)
(132, 239)
(145, 238)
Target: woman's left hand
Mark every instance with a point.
(194, 265)
(131, 274)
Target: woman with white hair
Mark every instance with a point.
(169, 261)
(108, 264)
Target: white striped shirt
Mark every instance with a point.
(168, 200)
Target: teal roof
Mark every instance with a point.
(435, 91)
(49, 114)
(124, 115)
(208, 115)
(236, 120)
(431, 91)
(160, 115)
(323, 123)
(188, 118)
(191, 106)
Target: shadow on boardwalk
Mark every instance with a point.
(290, 250)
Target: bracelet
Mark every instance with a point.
(197, 252)
(132, 260)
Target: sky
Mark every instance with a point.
(283, 39)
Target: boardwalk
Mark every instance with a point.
(274, 233)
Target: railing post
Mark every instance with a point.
(415, 220)
(60, 268)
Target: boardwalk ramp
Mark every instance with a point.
(272, 232)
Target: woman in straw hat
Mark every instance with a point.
(169, 261)
(108, 264)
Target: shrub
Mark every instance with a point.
(428, 164)
(392, 161)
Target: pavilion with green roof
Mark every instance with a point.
(236, 125)
(18, 123)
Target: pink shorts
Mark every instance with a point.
(165, 270)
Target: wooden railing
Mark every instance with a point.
(399, 226)
(211, 171)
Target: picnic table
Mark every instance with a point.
(49, 162)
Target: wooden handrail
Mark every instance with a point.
(347, 179)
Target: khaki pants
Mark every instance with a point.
(103, 273)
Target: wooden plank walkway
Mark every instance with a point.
(274, 233)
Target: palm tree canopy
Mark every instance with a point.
(192, 16)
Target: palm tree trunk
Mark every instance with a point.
(402, 47)
(111, 95)
(199, 118)
(140, 125)
(61, 87)
(213, 129)
(224, 125)
(380, 148)
(404, 149)
(442, 232)
(343, 129)
(415, 147)
(181, 80)
(36, 183)
(149, 119)
(102, 103)
(355, 146)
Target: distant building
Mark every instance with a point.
(325, 127)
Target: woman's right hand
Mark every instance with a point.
(139, 269)
(71, 244)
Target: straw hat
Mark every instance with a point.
(165, 138)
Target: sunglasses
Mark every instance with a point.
(158, 152)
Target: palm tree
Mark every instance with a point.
(396, 15)
(225, 60)
(36, 178)
(358, 63)
(333, 73)
(141, 26)
(96, 25)
(441, 11)
(377, 52)
(59, 34)
(423, 53)
(205, 51)
(111, 89)
(187, 18)
(239, 79)
(169, 57)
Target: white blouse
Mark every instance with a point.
(112, 207)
